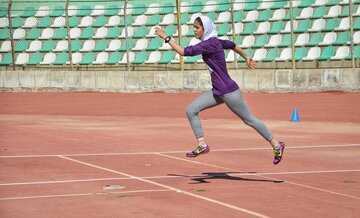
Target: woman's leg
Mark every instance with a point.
(237, 104)
(204, 101)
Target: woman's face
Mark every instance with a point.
(198, 30)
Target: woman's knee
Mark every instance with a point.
(190, 111)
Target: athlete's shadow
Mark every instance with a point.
(205, 177)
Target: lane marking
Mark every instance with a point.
(173, 152)
(175, 176)
(81, 194)
(255, 174)
(169, 188)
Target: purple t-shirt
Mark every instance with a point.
(212, 51)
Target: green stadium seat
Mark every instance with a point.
(140, 32)
(3, 11)
(238, 16)
(261, 41)
(44, 22)
(154, 44)
(21, 46)
(167, 57)
(327, 53)
(17, 22)
(6, 59)
(75, 45)
(319, 12)
(100, 21)
(277, 27)
(34, 33)
(333, 2)
(112, 10)
(306, 3)
(184, 19)
(28, 12)
(271, 55)
(170, 30)
(113, 33)
(223, 5)
(129, 20)
(251, 5)
(315, 39)
(88, 59)
(101, 45)
(61, 58)
(331, 24)
(4, 34)
(304, 26)
(74, 22)
(295, 13)
(196, 7)
(278, 5)
(87, 33)
(114, 58)
(35, 59)
(299, 54)
(57, 11)
(249, 28)
(223, 29)
(139, 9)
(342, 39)
(345, 11)
(47, 46)
(286, 41)
(211, 15)
(140, 57)
(167, 8)
(131, 45)
(357, 23)
(184, 42)
(84, 10)
(192, 59)
(356, 53)
(154, 20)
(264, 16)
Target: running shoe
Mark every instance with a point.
(200, 149)
(278, 153)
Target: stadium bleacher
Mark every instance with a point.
(97, 31)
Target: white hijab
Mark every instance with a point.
(209, 28)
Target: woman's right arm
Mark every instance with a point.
(178, 48)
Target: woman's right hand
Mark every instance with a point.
(159, 32)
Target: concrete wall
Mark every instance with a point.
(271, 80)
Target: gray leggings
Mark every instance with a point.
(234, 100)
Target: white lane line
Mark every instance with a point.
(173, 152)
(175, 176)
(255, 174)
(169, 188)
(318, 189)
(81, 194)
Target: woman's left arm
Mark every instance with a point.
(178, 48)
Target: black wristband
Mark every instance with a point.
(167, 39)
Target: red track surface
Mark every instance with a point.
(59, 150)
